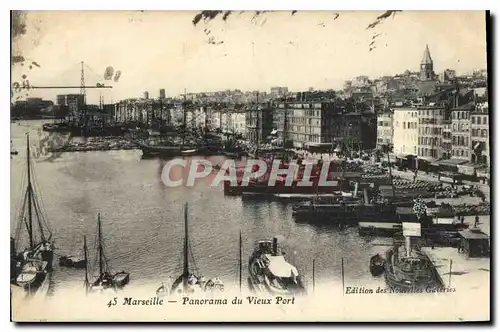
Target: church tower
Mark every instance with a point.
(426, 66)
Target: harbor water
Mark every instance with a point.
(143, 224)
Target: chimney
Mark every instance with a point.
(275, 246)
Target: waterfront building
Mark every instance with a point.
(446, 146)
(479, 122)
(315, 123)
(258, 121)
(430, 132)
(460, 126)
(238, 122)
(405, 132)
(61, 100)
(384, 129)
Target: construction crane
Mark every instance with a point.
(72, 87)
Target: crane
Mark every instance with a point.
(82, 85)
(72, 87)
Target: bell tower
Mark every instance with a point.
(426, 66)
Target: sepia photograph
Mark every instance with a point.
(250, 166)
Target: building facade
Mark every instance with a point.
(61, 100)
(258, 122)
(446, 146)
(307, 123)
(460, 126)
(430, 132)
(384, 129)
(405, 132)
(479, 122)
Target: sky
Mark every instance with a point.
(162, 49)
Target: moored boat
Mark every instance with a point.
(377, 264)
(269, 272)
(72, 261)
(190, 152)
(105, 278)
(190, 281)
(409, 271)
(30, 268)
(12, 150)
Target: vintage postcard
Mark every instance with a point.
(250, 166)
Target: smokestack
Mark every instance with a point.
(275, 246)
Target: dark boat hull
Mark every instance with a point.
(377, 266)
(68, 262)
(407, 285)
(121, 279)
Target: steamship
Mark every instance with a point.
(269, 272)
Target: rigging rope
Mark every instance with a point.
(20, 210)
(41, 216)
(196, 270)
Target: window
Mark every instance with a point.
(485, 120)
(452, 152)
(466, 153)
(462, 153)
(404, 125)
(473, 120)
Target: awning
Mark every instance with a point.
(274, 131)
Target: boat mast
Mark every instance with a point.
(241, 262)
(101, 263)
(185, 272)
(85, 258)
(29, 225)
(184, 124)
(285, 122)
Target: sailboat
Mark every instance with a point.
(30, 267)
(12, 150)
(189, 282)
(105, 279)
